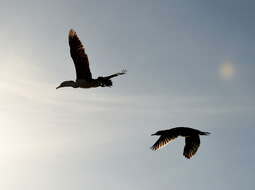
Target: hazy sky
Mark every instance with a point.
(190, 63)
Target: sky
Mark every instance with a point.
(190, 63)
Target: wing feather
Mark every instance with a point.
(191, 146)
(80, 58)
(163, 141)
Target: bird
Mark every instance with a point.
(81, 62)
(192, 140)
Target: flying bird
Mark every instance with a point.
(192, 140)
(81, 62)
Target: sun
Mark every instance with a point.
(227, 70)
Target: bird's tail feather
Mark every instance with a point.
(117, 74)
(105, 82)
(204, 133)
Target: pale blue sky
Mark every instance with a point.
(96, 139)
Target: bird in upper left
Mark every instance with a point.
(81, 62)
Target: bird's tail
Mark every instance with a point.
(204, 133)
(105, 82)
(117, 74)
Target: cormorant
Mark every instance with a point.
(81, 62)
(192, 140)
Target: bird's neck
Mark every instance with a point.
(71, 84)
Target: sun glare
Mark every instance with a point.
(227, 70)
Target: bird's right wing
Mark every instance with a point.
(191, 146)
(163, 140)
(79, 56)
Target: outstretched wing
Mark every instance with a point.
(163, 140)
(80, 58)
(191, 146)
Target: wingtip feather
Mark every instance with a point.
(72, 33)
(153, 148)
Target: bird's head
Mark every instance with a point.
(157, 133)
(68, 84)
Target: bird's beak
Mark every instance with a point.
(153, 134)
(59, 87)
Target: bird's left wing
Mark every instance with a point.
(191, 146)
(163, 140)
(80, 58)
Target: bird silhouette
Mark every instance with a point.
(192, 140)
(81, 62)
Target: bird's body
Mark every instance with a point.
(83, 75)
(88, 84)
(192, 140)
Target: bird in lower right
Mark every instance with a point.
(192, 140)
